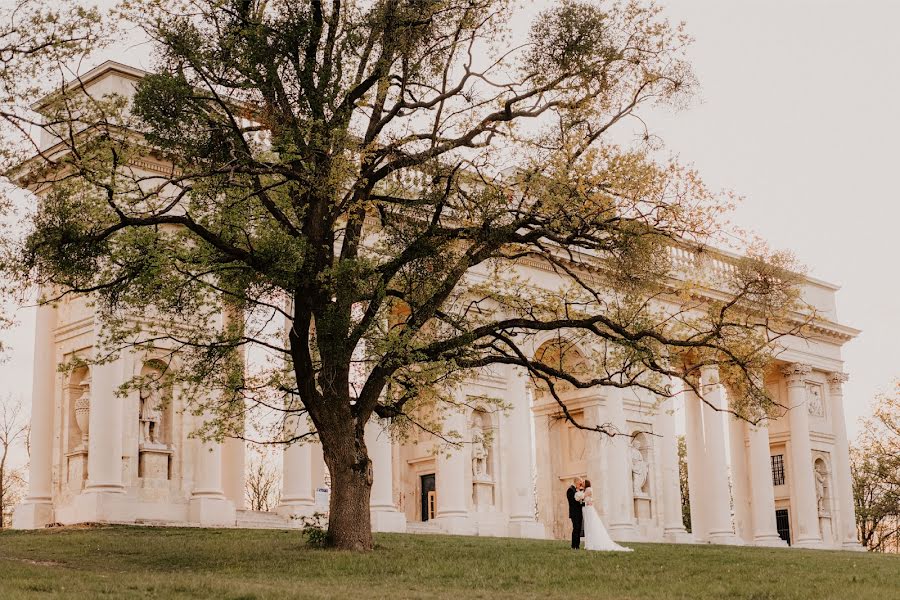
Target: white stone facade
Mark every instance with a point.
(99, 457)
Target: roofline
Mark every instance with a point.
(98, 72)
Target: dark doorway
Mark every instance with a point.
(783, 524)
(429, 498)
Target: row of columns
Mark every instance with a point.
(211, 502)
(218, 484)
(620, 509)
(298, 488)
(751, 475)
(708, 470)
(517, 480)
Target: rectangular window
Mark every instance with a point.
(778, 469)
(783, 524)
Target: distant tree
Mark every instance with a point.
(263, 481)
(875, 470)
(683, 483)
(13, 433)
(375, 173)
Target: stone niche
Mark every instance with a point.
(639, 453)
(482, 452)
(155, 416)
(78, 404)
(822, 475)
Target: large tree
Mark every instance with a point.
(375, 172)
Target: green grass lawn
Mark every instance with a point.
(135, 562)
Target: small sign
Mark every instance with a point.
(322, 498)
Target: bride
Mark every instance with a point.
(595, 535)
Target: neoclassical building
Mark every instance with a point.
(101, 457)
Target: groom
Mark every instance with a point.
(575, 513)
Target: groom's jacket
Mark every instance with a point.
(574, 505)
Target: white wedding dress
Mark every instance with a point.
(595, 535)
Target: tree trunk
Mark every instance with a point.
(349, 520)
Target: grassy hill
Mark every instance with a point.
(133, 562)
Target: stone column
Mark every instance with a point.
(595, 453)
(696, 453)
(740, 479)
(519, 455)
(385, 516)
(101, 500)
(208, 505)
(234, 459)
(297, 494)
(718, 503)
(803, 488)
(234, 471)
(452, 483)
(621, 501)
(846, 511)
(762, 505)
(37, 509)
(673, 525)
(105, 441)
(548, 486)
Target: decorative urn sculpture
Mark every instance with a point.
(83, 410)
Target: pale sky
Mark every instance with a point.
(798, 113)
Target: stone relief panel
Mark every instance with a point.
(815, 400)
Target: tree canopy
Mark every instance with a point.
(375, 173)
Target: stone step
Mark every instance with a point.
(422, 527)
(251, 519)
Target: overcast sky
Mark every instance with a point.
(798, 113)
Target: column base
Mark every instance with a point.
(456, 524)
(295, 512)
(725, 538)
(527, 529)
(813, 543)
(853, 547)
(490, 524)
(623, 532)
(770, 541)
(33, 514)
(678, 536)
(211, 511)
(105, 504)
(388, 520)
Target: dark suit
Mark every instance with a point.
(576, 515)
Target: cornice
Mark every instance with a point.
(831, 330)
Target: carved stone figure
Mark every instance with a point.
(821, 474)
(479, 455)
(639, 468)
(150, 417)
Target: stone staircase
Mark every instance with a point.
(252, 519)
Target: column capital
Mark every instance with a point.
(836, 379)
(795, 373)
